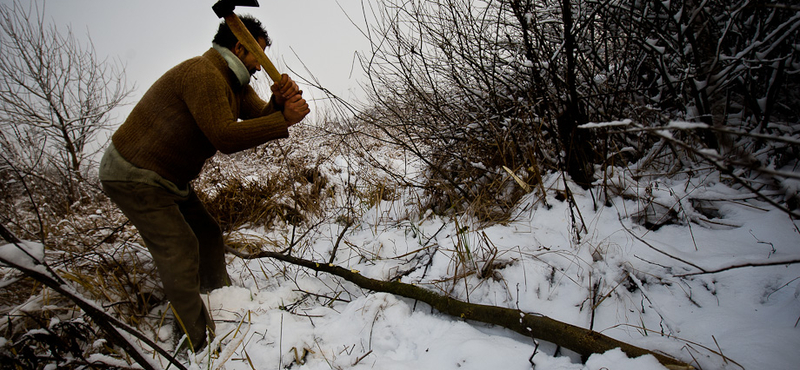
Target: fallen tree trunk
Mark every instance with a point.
(583, 341)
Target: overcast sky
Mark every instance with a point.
(151, 36)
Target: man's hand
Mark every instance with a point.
(284, 90)
(288, 95)
(295, 109)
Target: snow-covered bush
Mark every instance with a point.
(470, 87)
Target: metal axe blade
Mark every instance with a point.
(225, 7)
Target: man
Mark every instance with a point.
(195, 109)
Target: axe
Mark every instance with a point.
(224, 9)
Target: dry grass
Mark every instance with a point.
(289, 194)
(92, 247)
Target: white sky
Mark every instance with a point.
(151, 36)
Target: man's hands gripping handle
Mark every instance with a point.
(288, 95)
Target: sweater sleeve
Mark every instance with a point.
(253, 106)
(210, 102)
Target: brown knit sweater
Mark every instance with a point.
(192, 112)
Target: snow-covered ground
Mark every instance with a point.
(655, 289)
(639, 286)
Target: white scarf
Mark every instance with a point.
(234, 63)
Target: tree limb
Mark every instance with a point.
(583, 341)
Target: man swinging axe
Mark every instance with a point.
(201, 106)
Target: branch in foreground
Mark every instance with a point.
(113, 327)
(583, 341)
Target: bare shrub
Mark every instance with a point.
(58, 95)
(468, 88)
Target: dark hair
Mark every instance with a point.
(226, 38)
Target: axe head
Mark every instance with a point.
(225, 7)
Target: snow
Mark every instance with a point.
(741, 317)
(686, 125)
(653, 43)
(24, 254)
(624, 122)
(791, 187)
(654, 289)
(381, 330)
(97, 359)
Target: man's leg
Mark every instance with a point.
(213, 273)
(173, 245)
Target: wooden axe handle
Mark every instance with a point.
(244, 36)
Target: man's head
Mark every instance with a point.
(227, 39)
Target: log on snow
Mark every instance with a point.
(583, 341)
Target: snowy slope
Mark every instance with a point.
(645, 288)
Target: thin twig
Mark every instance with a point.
(749, 264)
(659, 250)
(338, 240)
(362, 357)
